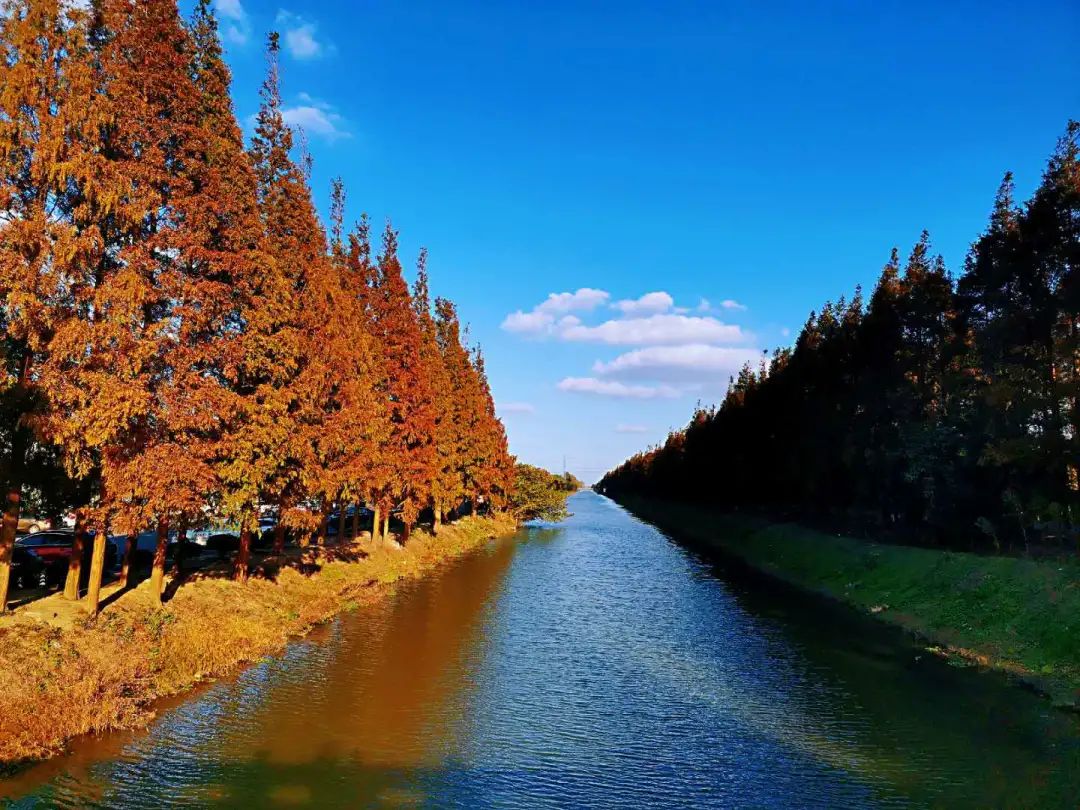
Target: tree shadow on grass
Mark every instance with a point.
(263, 565)
(205, 565)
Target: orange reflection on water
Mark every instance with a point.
(397, 682)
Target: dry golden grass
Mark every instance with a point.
(104, 674)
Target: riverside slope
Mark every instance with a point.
(101, 675)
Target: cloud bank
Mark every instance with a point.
(674, 350)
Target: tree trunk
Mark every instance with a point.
(7, 545)
(323, 525)
(386, 527)
(356, 521)
(341, 524)
(406, 530)
(157, 576)
(243, 555)
(181, 537)
(279, 537)
(437, 522)
(10, 527)
(375, 525)
(125, 566)
(97, 569)
(74, 572)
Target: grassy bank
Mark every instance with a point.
(1012, 614)
(92, 676)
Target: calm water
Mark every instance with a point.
(593, 665)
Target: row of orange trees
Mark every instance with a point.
(181, 335)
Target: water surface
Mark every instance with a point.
(596, 664)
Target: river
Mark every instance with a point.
(596, 664)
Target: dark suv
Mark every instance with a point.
(28, 570)
(54, 547)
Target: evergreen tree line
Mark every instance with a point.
(939, 411)
(181, 336)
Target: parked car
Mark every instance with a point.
(192, 550)
(292, 537)
(54, 548)
(28, 570)
(202, 536)
(144, 553)
(33, 525)
(224, 543)
(365, 519)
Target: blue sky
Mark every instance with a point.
(741, 162)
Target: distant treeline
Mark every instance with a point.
(181, 340)
(941, 410)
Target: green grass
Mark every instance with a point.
(1013, 614)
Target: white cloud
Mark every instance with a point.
(300, 36)
(785, 332)
(541, 319)
(316, 118)
(584, 300)
(516, 407)
(529, 323)
(704, 305)
(656, 330)
(732, 304)
(612, 388)
(651, 320)
(236, 26)
(631, 429)
(693, 362)
(648, 304)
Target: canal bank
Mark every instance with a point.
(93, 676)
(1015, 615)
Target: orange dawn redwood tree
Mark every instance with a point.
(495, 465)
(164, 297)
(370, 466)
(461, 433)
(442, 393)
(407, 456)
(457, 420)
(256, 352)
(46, 176)
(356, 417)
(142, 371)
(53, 191)
(325, 403)
(266, 459)
(477, 463)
